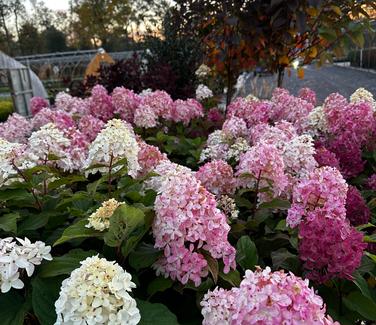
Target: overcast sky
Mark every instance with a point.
(57, 4)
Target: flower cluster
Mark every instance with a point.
(97, 293)
(323, 191)
(203, 71)
(148, 158)
(325, 157)
(72, 105)
(100, 219)
(50, 144)
(265, 297)
(363, 95)
(203, 92)
(125, 102)
(262, 167)
(251, 111)
(285, 106)
(17, 128)
(228, 206)
(18, 255)
(235, 127)
(187, 220)
(90, 126)
(357, 210)
(14, 157)
(217, 177)
(329, 248)
(100, 103)
(371, 182)
(115, 142)
(37, 103)
(308, 95)
(221, 146)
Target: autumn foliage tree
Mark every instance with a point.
(240, 35)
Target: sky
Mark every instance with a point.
(57, 4)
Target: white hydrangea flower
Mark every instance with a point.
(363, 95)
(252, 98)
(115, 142)
(145, 117)
(203, 92)
(166, 170)
(13, 156)
(50, 141)
(202, 71)
(22, 255)
(145, 92)
(298, 156)
(100, 219)
(237, 148)
(317, 122)
(216, 146)
(228, 206)
(97, 293)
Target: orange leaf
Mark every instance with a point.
(300, 73)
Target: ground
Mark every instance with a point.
(331, 79)
(323, 81)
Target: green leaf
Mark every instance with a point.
(212, 266)
(361, 283)
(232, 277)
(66, 181)
(371, 256)
(144, 256)
(44, 294)
(282, 258)
(370, 238)
(34, 221)
(159, 285)
(155, 314)
(275, 204)
(246, 253)
(8, 222)
(64, 264)
(13, 308)
(281, 225)
(15, 194)
(365, 226)
(361, 304)
(77, 230)
(125, 220)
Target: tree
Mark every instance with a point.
(54, 40)
(273, 33)
(99, 18)
(5, 12)
(30, 39)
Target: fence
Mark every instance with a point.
(363, 58)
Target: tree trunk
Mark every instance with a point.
(7, 34)
(281, 73)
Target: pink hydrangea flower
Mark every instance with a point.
(100, 103)
(265, 297)
(308, 95)
(217, 177)
(125, 102)
(186, 110)
(324, 190)
(277, 135)
(215, 115)
(90, 126)
(161, 103)
(149, 157)
(183, 224)
(63, 120)
(329, 248)
(72, 105)
(145, 117)
(235, 127)
(17, 128)
(290, 108)
(252, 112)
(262, 167)
(371, 182)
(325, 157)
(37, 103)
(357, 210)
